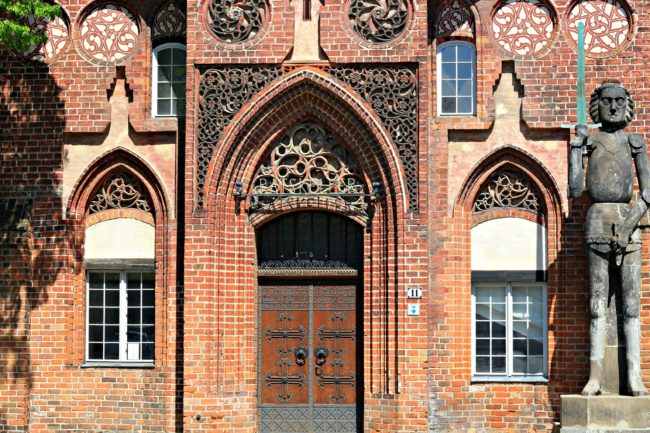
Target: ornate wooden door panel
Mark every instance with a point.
(309, 378)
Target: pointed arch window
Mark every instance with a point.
(509, 263)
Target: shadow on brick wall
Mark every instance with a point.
(34, 242)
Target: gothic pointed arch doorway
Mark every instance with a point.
(310, 333)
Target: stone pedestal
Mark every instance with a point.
(605, 414)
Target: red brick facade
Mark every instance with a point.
(69, 124)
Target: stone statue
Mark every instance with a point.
(611, 228)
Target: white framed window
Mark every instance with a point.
(120, 317)
(509, 332)
(168, 80)
(456, 66)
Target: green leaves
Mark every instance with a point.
(14, 33)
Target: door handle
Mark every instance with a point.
(301, 355)
(321, 355)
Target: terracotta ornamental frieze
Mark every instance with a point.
(508, 189)
(390, 90)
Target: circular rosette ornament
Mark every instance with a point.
(234, 21)
(523, 28)
(608, 25)
(379, 21)
(109, 33)
(58, 36)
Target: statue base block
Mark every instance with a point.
(605, 414)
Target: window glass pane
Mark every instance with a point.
(180, 107)
(535, 365)
(133, 280)
(448, 88)
(536, 347)
(178, 90)
(464, 88)
(133, 316)
(482, 294)
(449, 53)
(96, 280)
(498, 364)
(179, 56)
(148, 280)
(520, 365)
(96, 315)
(465, 53)
(95, 333)
(112, 280)
(449, 105)
(112, 316)
(498, 294)
(147, 351)
(112, 298)
(499, 347)
(465, 106)
(164, 107)
(482, 364)
(164, 73)
(112, 351)
(498, 311)
(498, 329)
(96, 298)
(519, 294)
(448, 71)
(133, 334)
(96, 351)
(164, 56)
(520, 311)
(535, 330)
(148, 315)
(148, 298)
(111, 333)
(520, 347)
(148, 333)
(178, 74)
(164, 91)
(464, 70)
(519, 329)
(133, 298)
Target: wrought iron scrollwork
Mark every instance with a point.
(309, 160)
(235, 21)
(336, 334)
(222, 93)
(508, 189)
(393, 94)
(379, 21)
(284, 379)
(120, 191)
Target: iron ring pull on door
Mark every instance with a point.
(321, 356)
(301, 355)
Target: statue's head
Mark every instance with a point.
(611, 105)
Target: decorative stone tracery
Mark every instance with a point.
(379, 21)
(607, 25)
(455, 20)
(523, 27)
(309, 160)
(391, 91)
(109, 32)
(119, 191)
(234, 21)
(58, 36)
(169, 21)
(508, 189)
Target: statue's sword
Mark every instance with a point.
(581, 107)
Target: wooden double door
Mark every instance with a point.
(311, 371)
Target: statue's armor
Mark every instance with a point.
(610, 176)
(610, 182)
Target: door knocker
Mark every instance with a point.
(301, 355)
